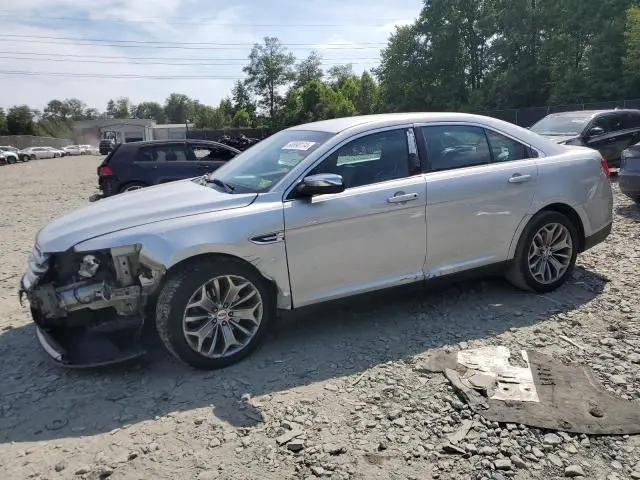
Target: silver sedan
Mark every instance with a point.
(313, 213)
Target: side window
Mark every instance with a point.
(167, 153)
(504, 149)
(456, 146)
(375, 158)
(631, 120)
(608, 123)
(207, 153)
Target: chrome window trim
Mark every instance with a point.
(338, 146)
(540, 153)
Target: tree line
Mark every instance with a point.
(465, 55)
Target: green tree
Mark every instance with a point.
(123, 108)
(111, 109)
(210, 118)
(270, 68)
(367, 99)
(152, 111)
(403, 72)
(631, 59)
(178, 108)
(339, 74)
(242, 99)
(3, 122)
(21, 120)
(241, 119)
(309, 69)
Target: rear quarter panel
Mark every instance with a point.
(576, 178)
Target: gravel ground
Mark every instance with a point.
(341, 379)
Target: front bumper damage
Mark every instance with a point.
(94, 318)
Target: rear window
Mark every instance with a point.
(110, 155)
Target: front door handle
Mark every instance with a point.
(402, 197)
(517, 178)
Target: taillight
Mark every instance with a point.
(605, 167)
(104, 171)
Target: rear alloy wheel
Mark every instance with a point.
(546, 253)
(130, 187)
(215, 313)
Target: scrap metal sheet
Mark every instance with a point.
(567, 397)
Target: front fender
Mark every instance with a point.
(165, 244)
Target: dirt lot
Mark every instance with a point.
(344, 374)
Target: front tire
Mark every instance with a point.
(214, 313)
(546, 253)
(10, 160)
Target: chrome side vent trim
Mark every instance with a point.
(267, 238)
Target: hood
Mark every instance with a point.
(135, 208)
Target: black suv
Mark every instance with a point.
(134, 165)
(608, 131)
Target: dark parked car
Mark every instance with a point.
(134, 165)
(608, 131)
(629, 175)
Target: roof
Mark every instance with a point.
(171, 141)
(337, 125)
(172, 125)
(593, 112)
(348, 126)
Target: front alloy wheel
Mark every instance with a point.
(213, 313)
(222, 316)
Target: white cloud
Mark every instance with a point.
(192, 21)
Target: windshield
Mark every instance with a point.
(568, 124)
(267, 162)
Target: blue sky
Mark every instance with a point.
(218, 32)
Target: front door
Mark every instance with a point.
(615, 138)
(479, 190)
(370, 236)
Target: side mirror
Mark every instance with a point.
(595, 131)
(320, 184)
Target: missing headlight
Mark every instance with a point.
(89, 266)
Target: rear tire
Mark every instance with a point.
(546, 253)
(11, 160)
(129, 187)
(227, 335)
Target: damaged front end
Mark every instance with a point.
(89, 307)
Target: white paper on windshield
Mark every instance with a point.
(298, 145)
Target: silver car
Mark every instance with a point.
(313, 213)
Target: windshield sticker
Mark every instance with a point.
(298, 145)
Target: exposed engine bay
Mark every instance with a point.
(89, 307)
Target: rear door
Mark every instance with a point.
(40, 152)
(207, 157)
(167, 162)
(480, 186)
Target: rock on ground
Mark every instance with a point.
(344, 376)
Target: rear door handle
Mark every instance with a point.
(517, 178)
(403, 197)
